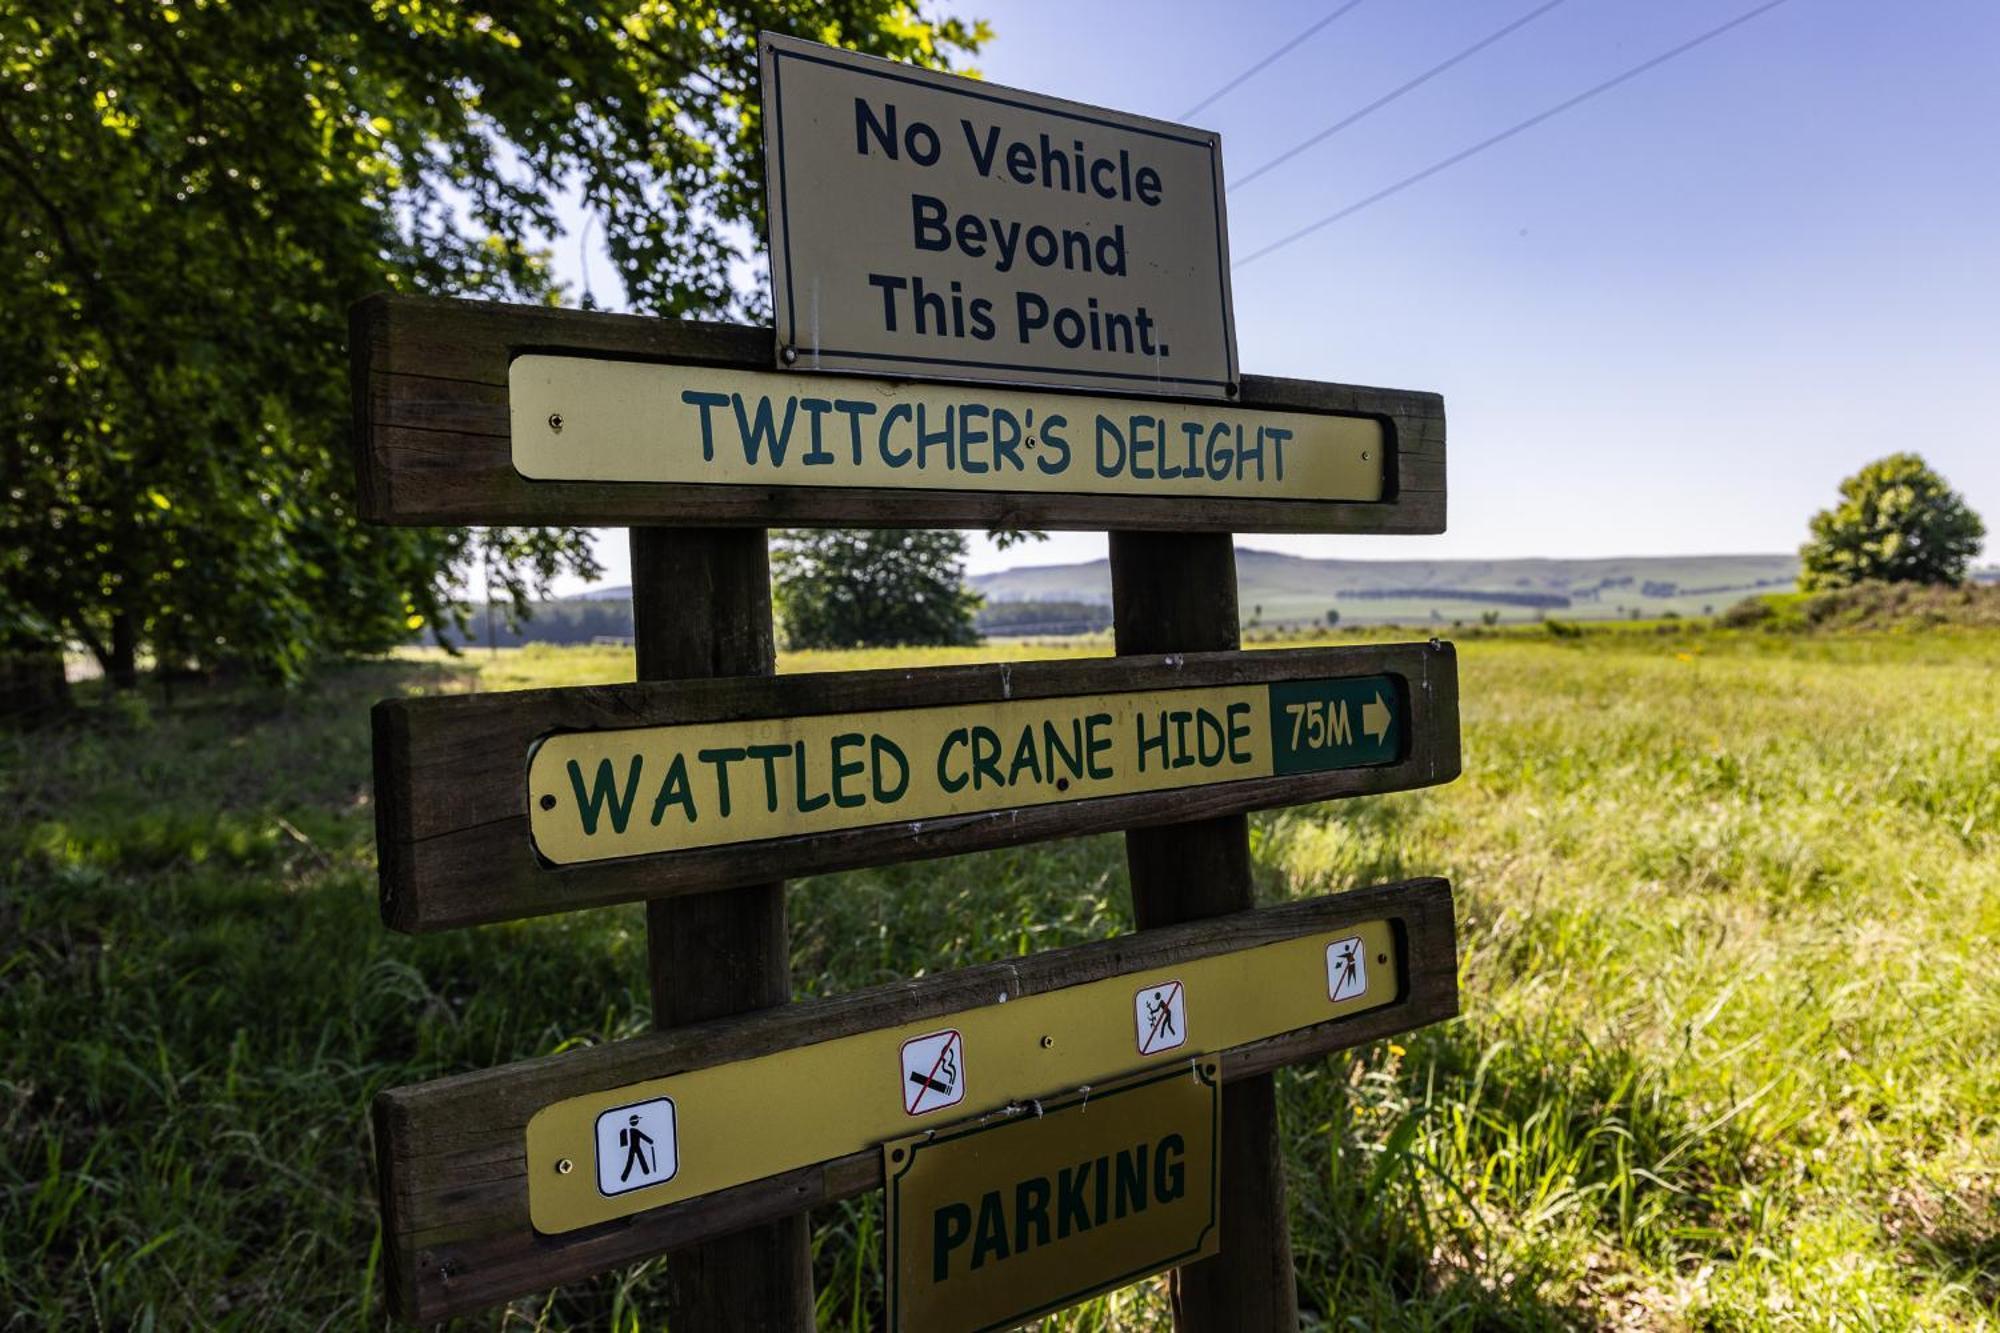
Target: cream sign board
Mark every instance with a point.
(581, 419)
(926, 224)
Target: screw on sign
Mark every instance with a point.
(1160, 1013)
(933, 1072)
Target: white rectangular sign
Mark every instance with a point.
(926, 224)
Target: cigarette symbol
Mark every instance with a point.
(931, 1067)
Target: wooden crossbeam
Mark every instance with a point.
(434, 441)
(453, 798)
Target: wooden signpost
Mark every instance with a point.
(702, 787)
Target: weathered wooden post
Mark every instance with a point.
(701, 607)
(1176, 593)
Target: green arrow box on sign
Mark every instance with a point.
(1318, 725)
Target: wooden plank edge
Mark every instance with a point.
(413, 900)
(485, 331)
(615, 706)
(1416, 512)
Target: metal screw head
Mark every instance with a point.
(1048, 1042)
(789, 355)
(1364, 455)
(555, 422)
(565, 1166)
(1232, 389)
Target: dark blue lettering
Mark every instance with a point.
(854, 409)
(969, 435)
(1106, 429)
(705, 401)
(901, 411)
(763, 434)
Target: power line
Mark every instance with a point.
(1238, 80)
(1506, 134)
(1391, 96)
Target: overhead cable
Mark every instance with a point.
(1395, 93)
(1506, 134)
(1266, 61)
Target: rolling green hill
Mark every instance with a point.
(1278, 589)
(1286, 590)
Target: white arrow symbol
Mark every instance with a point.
(1376, 718)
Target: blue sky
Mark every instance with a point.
(1667, 321)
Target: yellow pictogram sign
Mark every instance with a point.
(733, 1123)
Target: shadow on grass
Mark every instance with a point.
(1459, 1178)
(1956, 1237)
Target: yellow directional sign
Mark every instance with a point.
(610, 1154)
(1003, 1218)
(582, 419)
(604, 794)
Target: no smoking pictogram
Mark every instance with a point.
(1159, 1013)
(933, 1072)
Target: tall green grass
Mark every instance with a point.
(1729, 923)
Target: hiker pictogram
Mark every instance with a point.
(933, 1071)
(635, 1141)
(1346, 969)
(636, 1146)
(1160, 1013)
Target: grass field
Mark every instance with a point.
(1730, 927)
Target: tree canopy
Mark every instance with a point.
(853, 588)
(191, 195)
(1897, 522)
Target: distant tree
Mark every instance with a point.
(1043, 617)
(1897, 522)
(854, 588)
(1333, 615)
(192, 194)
